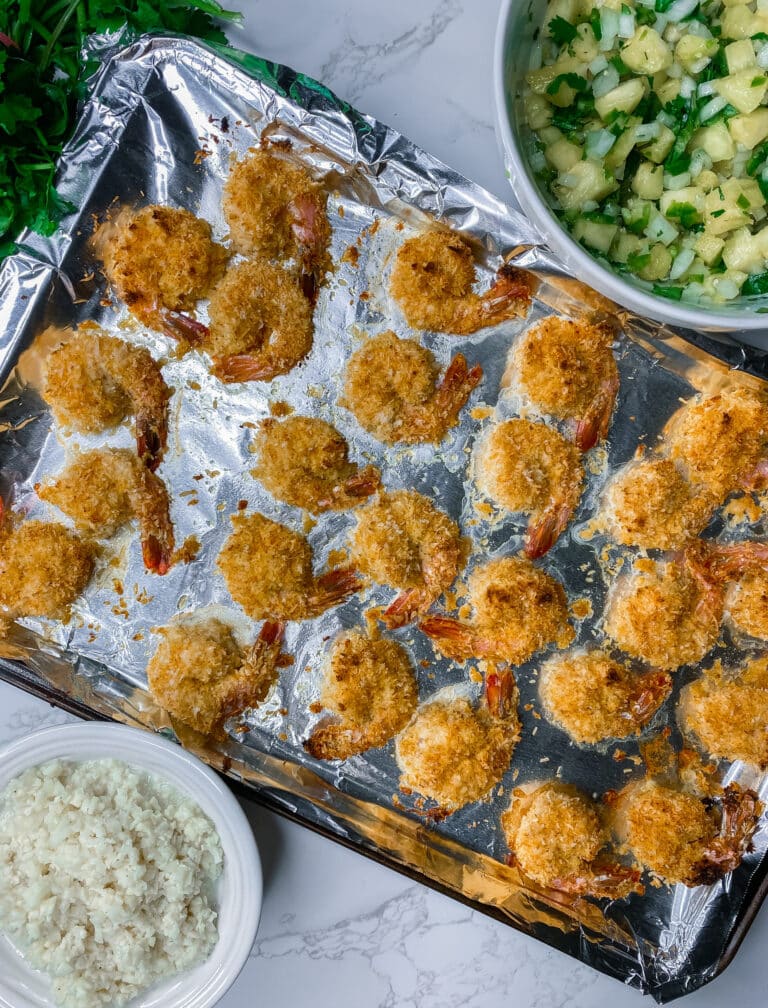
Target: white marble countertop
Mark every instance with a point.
(336, 928)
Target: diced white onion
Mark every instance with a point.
(740, 158)
(687, 87)
(675, 70)
(700, 161)
(706, 89)
(726, 288)
(597, 143)
(699, 29)
(605, 81)
(538, 161)
(698, 65)
(609, 27)
(589, 205)
(692, 292)
(569, 180)
(675, 182)
(598, 63)
(660, 23)
(712, 107)
(762, 5)
(646, 132)
(618, 173)
(683, 260)
(762, 57)
(534, 60)
(626, 25)
(673, 33)
(681, 9)
(660, 229)
(666, 119)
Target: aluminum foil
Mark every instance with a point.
(163, 121)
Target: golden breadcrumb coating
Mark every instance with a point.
(729, 713)
(161, 257)
(200, 675)
(453, 752)
(260, 323)
(433, 279)
(94, 381)
(268, 571)
(392, 387)
(529, 467)
(102, 490)
(719, 440)
(663, 614)
(554, 832)
(403, 541)
(650, 504)
(370, 689)
(44, 566)
(592, 697)
(305, 462)
(747, 603)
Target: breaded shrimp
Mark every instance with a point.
(305, 462)
(94, 381)
(667, 613)
(161, 261)
(104, 489)
(530, 468)
(433, 280)
(44, 566)
(721, 441)
(268, 571)
(743, 568)
(201, 676)
(518, 611)
(276, 211)
(370, 689)
(557, 838)
(728, 712)
(651, 505)
(402, 540)
(568, 370)
(592, 697)
(681, 836)
(452, 752)
(392, 387)
(261, 323)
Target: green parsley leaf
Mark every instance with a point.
(637, 261)
(562, 31)
(686, 213)
(668, 291)
(757, 284)
(742, 202)
(594, 21)
(572, 80)
(645, 15)
(663, 5)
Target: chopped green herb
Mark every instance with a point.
(742, 202)
(620, 66)
(759, 155)
(757, 81)
(594, 21)
(679, 160)
(637, 261)
(562, 31)
(571, 80)
(757, 284)
(760, 37)
(668, 291)
(717, 213)
(645, 16)
(598, 217)
(571, 120)
(663, 5)
(686, 213)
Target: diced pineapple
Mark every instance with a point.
(649, 181)
(646, 52)
(621, 150)
(750, 129)
(738, 22)
(550, 135)
(740, 56)
(538, 111)
(744, 90)
(595, 235)
(661, 146)
(624, 98)
(563, 154)
(716, 141)
(659, 265)
(584, 47)
(688, 194)
(741, 189)
(742, 252)
(626, 245)
(707, 180)
(722, 214)
(668, 89)
(590, 181)
(568, 9)
(708, 248)
(539, 80)
(692, 48)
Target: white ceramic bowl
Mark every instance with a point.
(518, 20)
(239, 889)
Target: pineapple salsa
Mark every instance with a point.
(649, 123)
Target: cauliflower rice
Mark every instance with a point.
(106, 878)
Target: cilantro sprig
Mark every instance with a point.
(42, 73)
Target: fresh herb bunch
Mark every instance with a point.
(42, 73)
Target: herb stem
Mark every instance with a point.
(56, 33)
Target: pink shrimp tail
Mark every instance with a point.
(603, 880)
(271, 634)
(406, 607)
(457, 385)
(243, 368)
(512, 290)
(334, 586)
(304, 225)
(593, 427)
(732, 561)
(364, 483)
(455, 639)
(157, 555)
(652, 688)
(151, 439)
(741, 811)
(179, 326)
(542, 536)
(499, 693)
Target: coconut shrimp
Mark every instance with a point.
(728, 712)
(201, 675)
(518, 611)
(557, 838)
(651, 505)
(268, 571)
(161, 261)
(592, 697)
(667, 613)
(277, 212)
(392, 387)
(743, 568)
(94, 381)
(529, 467)
(721, 442)
(433, 280)
(452, 752)
(44, 567)
(104, 489)
(568, 370)
(370, 689)
(402, 540)
(305, 462)
(681, 835)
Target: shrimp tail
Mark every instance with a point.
(182, 327)
(732, 561)
(456, 386)
(406, 607)
(603, 880)
(265, 651)
(510, 293)
(151, 438)
(651, 690)
(305, 211)
(363, 483)
(333, 587)
(332, 741)
(245, 367)
(454, 639)
(157, 554)
(741, 810)
(543, 535)
(500, 694)
(593, 427)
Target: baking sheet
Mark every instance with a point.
(164, 119)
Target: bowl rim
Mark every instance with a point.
(555, 235)
(238, 915)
